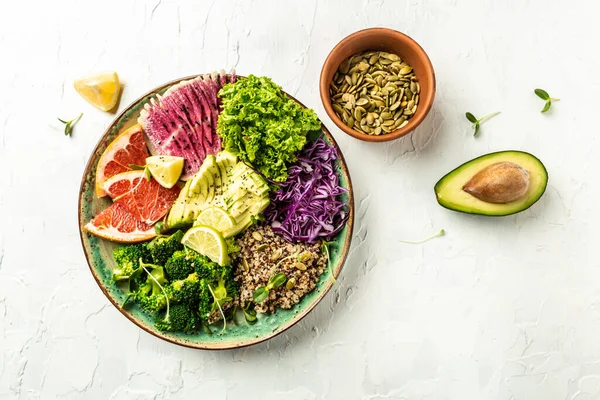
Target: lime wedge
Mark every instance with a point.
(165, 169)
(208, 241)
(217, 218)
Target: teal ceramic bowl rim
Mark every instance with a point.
(90, 169)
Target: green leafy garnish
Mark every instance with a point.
(250, 314)
(262, 292)
(69, 124)
(136, 167)
(220, 297)
(477, 122)
(262, 126)
(440, 233)
(276, 280)
(542, 94)
(158, 270)
(325, 247)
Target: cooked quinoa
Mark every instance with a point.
(263, 254)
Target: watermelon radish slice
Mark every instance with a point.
(183, 121)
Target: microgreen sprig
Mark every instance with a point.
(144, 265)
(250, 314)
(136, 167)
(262, 292)
(325, 246)
(542, 94)
(477, 122)
(440, 233)
(69, 124)
(220, 296)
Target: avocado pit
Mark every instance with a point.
(499, 183)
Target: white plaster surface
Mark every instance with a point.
(499, 308)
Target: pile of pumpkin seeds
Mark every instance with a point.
(374, 92)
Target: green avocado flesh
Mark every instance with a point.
(222, 182)
(450, 193)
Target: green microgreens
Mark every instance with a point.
(143, 265)
(325, 246)
(262, 292)
(477, 122)
(440, 233)
(542, 94)
(218, 304)
(69, 124)
(136, 167)
(249, 314)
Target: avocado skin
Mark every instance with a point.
(465, 210)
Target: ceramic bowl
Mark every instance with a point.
(391, 41)
(98, 253)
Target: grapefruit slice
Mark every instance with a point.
(117, 224)
(128, 148)
(146, 200)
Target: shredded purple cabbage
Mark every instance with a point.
(307, 207)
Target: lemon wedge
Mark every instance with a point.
(165, 169)
(207, 241)
(100, 90)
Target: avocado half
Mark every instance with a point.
(450, 194)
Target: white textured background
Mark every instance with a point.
(505, 308)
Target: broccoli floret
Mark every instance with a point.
(151, 294)
(182, 263)
(181, 318)
(162, 248)
(185, 290)
(128, 260)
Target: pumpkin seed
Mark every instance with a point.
(350, 122)
(300, 266)
(413, 87)
(338, 110)
(402, 125)
(276, 254)
(377, 131)
(405, 70)
(394, 106)
(261, 247)
(245, 265)
(362, 101)
(344, 66)
(290, 283)
(410, 104)
(358, 114)
(257, 236)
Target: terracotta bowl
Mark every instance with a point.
(392, 41)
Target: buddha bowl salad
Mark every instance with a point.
(224, 196)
